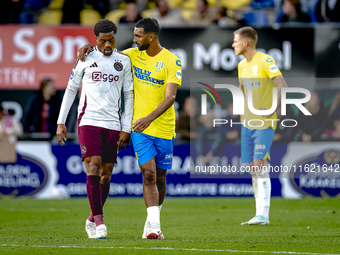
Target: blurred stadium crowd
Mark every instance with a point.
(42, 109)
(169, 12)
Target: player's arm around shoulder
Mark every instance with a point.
(128, 52)
(85, 51)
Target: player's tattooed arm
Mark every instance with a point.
(84, 51)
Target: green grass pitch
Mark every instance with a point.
(190, 226)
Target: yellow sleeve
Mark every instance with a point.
(270, 68)
(175, 71)
(128, 51)
(238, 74)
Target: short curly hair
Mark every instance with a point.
(150, 25)
(104, 26)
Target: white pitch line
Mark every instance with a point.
(168, 249)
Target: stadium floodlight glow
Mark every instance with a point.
(238, 100)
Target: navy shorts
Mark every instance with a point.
(98, 141)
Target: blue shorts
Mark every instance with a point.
(146, 147)
(256, 143)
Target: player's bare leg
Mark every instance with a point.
(262, 188)
(150, 191)
(94, 171)
(161, 185)
(151, 198)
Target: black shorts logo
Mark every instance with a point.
(118, 66)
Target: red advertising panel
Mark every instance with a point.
(29, 53)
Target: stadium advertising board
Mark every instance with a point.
(28, 53)
(317, 171)
(53, 171)
(33, 174)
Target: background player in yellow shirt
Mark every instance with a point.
(259, 72)
(157, 74)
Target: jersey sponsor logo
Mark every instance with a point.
(72, 75)
(255, 69)
(159, 65)
(145, 76)
(179, 74)
(273, 68)
(269, 60)
(94, 65)
(118, 66)
(260, 146)
(248, 83)
(98, 76)
(178, 62)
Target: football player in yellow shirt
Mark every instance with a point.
(259, 72)
(157, 74)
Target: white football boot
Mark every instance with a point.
(257, 220)
(155, 232)
(90, 228)
(101, 232)
(146, 230)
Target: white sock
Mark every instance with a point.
(263, 200)
(255, 187)
(153, 214)
(160, 207)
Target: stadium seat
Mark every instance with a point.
(50, 17)
(26, 17)
(115, 15)
(189, 4)
(234, 5)
(212, 2)
(89, 17)
(146, 13)
(56, 4)
(186, 14)
(260, 4)
(174, 3)
(256, 17)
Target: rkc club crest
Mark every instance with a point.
(159, 65)
(255, 69)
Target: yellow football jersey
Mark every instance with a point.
(258, 74)
(150, 77)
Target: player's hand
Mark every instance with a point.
(123, 142)
(266, 116)
(61, 131)
(84, 51)
(140, 125)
